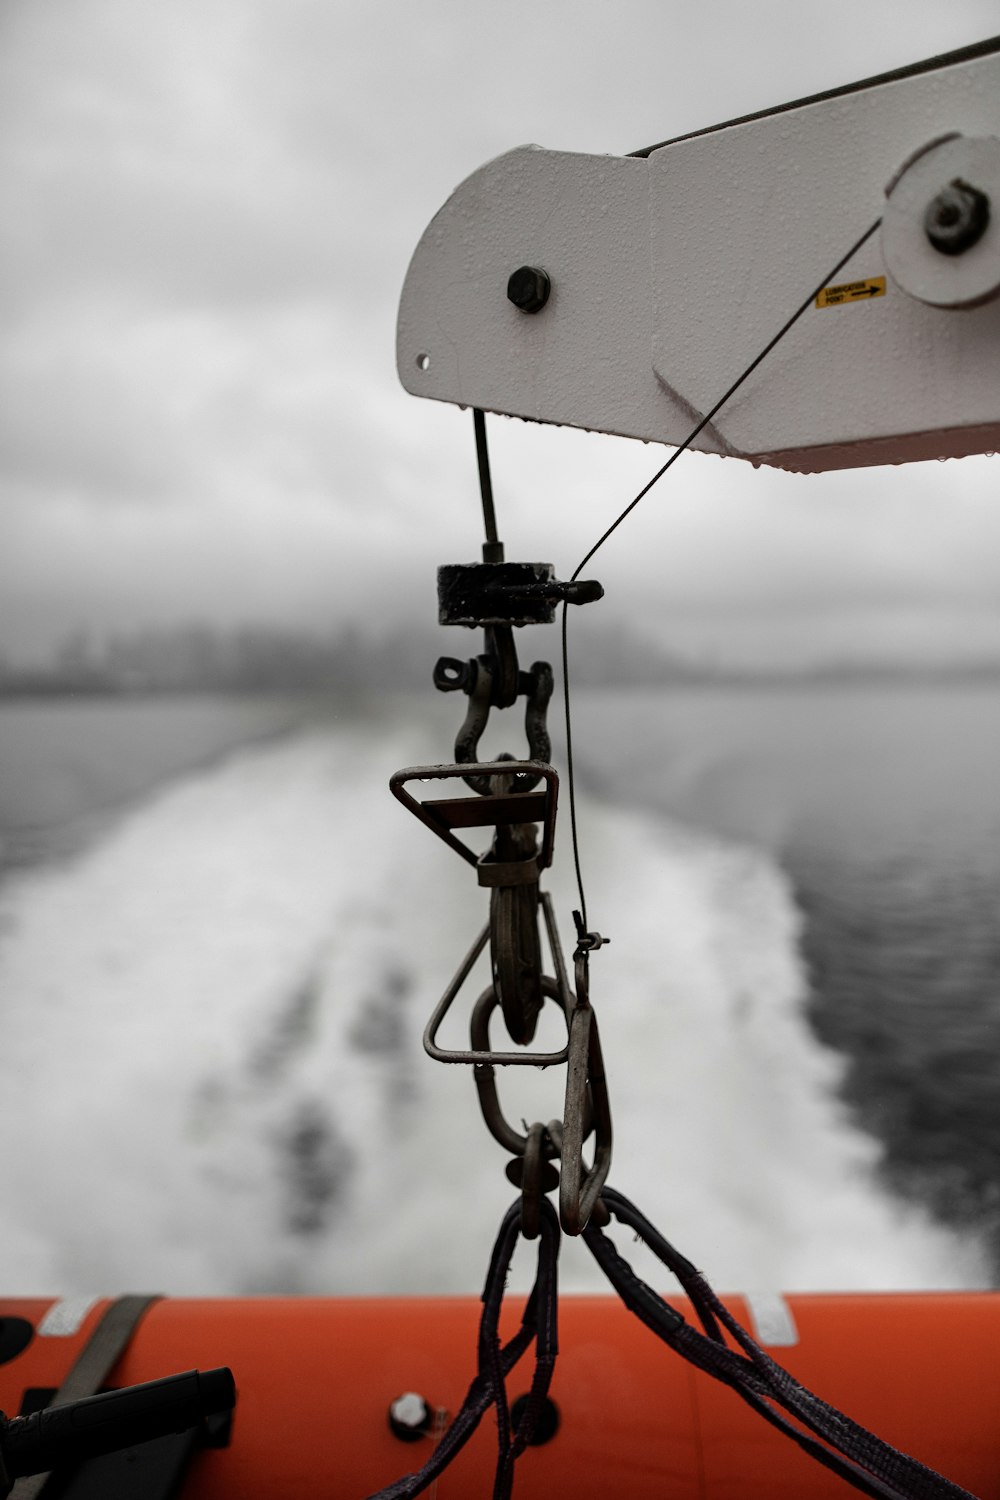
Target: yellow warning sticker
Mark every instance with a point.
(851, 291)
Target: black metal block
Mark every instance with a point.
(507, 593)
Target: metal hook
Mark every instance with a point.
(586, 1084)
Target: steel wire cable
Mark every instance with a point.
(692, 435)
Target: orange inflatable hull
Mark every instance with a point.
(316, 1377)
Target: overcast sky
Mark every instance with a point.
(209, 206)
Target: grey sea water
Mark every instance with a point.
(218, 904)
(882, 803)
(68, 763)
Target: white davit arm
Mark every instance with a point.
(669, 271)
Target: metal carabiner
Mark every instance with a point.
(586, 1099)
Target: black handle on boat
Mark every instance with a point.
(116, 1419)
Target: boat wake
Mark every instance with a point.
(212, 1023)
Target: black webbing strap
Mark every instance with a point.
(92, 1366)
(538, 1324)
(825, 1434)
(839, 1443)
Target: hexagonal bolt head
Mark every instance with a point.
(410, 1417)
(528, 288)
(957, 218)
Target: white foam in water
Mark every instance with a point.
(211, 1054)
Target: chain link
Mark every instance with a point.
(519, 986)
(519, 989)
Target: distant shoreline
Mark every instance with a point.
(35, 689)
(196, 659)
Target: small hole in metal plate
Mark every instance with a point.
(423, 362)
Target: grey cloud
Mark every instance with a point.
(216, 202)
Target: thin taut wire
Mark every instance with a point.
(695, 431)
